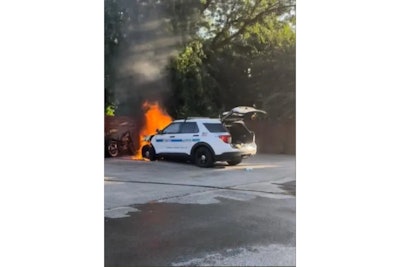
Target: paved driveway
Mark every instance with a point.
(170, 213)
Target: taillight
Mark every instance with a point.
(226, 138)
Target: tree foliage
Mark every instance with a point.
(114, 19)
(243, 54)
(232, 52)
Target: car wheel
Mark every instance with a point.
(112, 148)
(203, 157)
(148, 153)
(234, 161)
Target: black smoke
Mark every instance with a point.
(152, 32)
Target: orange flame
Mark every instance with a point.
(154, 118)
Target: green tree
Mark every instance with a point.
(243, 53)
(114, 19)
(191, 91)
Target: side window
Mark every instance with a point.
(172, 128)
(215, 127)
(189, 127)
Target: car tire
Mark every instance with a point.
(233, 162)
(112, 148)
(203, 157)
(148, 153)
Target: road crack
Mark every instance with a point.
(201, 186)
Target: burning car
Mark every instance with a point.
(205, 140)
(119, 136)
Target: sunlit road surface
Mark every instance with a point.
(166, 213)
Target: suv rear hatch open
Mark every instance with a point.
(242, 137)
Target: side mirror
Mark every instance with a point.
(158, 131)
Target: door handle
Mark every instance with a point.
(195, 135)
(172, 136)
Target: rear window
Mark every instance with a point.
(215, 127)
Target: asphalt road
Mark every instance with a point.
(176, 214)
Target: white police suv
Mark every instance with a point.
(205, 140)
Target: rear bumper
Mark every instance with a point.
(247, 149)
(228, 156)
